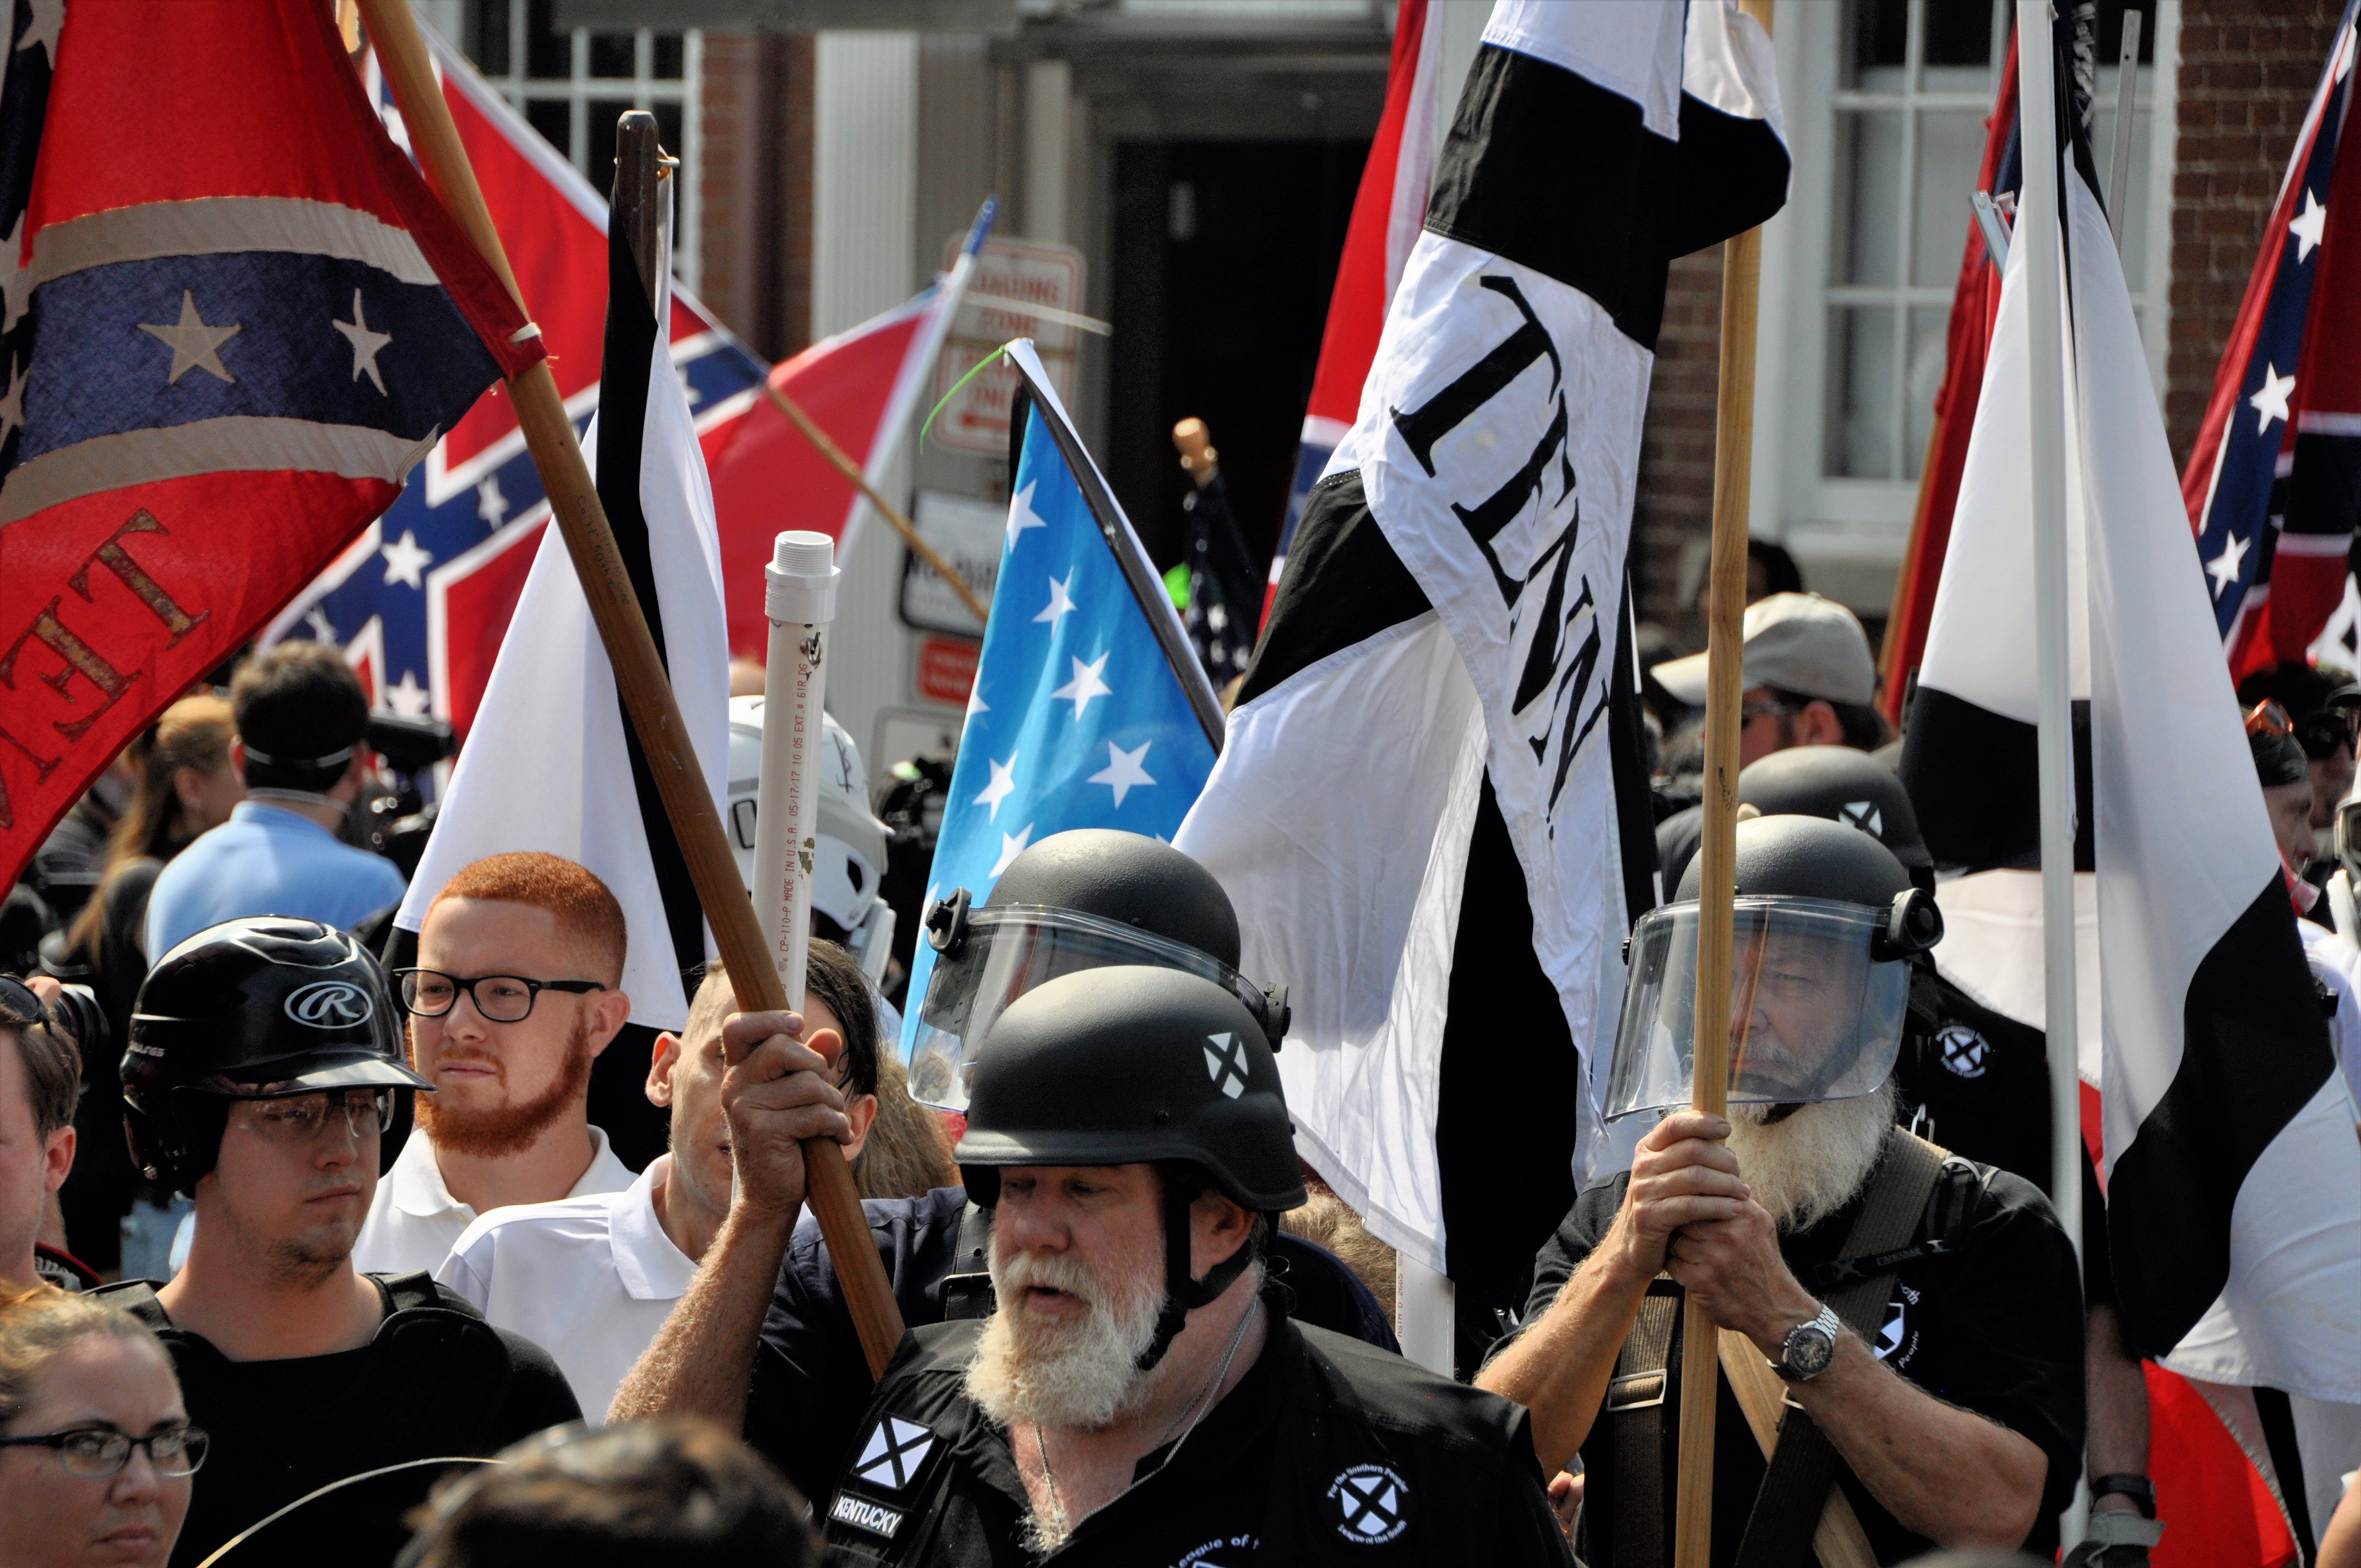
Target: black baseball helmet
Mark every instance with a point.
(257, 1009)
(1083, 899)
(1127, 1065)
(1843, 785)
(1826, 922)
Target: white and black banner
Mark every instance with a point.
(2229, 1152)
(1416, 810)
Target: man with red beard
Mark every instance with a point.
(260, 1075)
(518, 988)
(1139, 1393)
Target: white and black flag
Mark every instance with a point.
(2229, 1152)
(1416, 810)
(551, 762)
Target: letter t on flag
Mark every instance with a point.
(224, 350)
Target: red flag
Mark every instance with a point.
(1387, 213)
(1974, 301)
(224, 348)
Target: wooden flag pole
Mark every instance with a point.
(1733, 456)
(639, 673)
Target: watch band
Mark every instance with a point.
(2138, 1488)
(1826, 1325)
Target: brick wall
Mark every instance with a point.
(756, 187)
(2248, 68)
(1674, 501)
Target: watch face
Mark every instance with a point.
(1808, 1351)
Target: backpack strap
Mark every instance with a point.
(137, 1297)
(410, 1292)
(966, 1289)
(1641, 1416)
(1804, 1462)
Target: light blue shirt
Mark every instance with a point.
(266, 860)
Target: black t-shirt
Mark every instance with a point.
(1993, 1324)
(437, 1380)
(810, 1378)
(1328, 1451)
(1981, 1080)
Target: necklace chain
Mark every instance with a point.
(1194, 1412)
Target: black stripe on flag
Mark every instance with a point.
(1548, 169)
(629, 348)
(1972, 776)
(1342, 584)
(2256, 1051)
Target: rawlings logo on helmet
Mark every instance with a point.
(330, 1004)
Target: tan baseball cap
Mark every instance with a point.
(1797, 642)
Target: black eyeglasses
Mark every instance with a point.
(20, 1000)
(100, 1452)
(502, 998)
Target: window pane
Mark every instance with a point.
(668, 66)
(600, 127)
(1950, 148)
(487, 35)
(1959, 32)
(613, 55)
(2111, 30)
(1859, 435)
(1869, 196)
(548, 53)
(1922, 378)
(1877, 33)
(549, 116)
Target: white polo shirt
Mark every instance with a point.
(413, 1219)
(589, 1278)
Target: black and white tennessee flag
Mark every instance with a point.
(1416, 809)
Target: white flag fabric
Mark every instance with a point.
(1417, 799)
(2230, 1158)
(547, 764)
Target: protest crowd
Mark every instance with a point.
(1264, 1053)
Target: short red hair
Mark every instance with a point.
(586, 913)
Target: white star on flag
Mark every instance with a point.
(491, 505)
(195, 346)
(366, 343)
(49, 16)
(1085, 684)
(1123, 769)
(1060, 602)
(1003, 780)
(1021, 515)
(2307, 226)
(409, 699)
(405, 558)
(322, 629)
(1010, 848)
(975, 703)
(15, 278)
(2224, 568)
(2272, 401)
(12, 406)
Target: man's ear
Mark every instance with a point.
(660, 1065)
(56, 1159)
(1818, 725)
(611, 1010)
(1219, 1226)
(861, 1112)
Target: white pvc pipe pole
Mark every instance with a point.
(2037, 232)
(800, 601)
(1424, 1303)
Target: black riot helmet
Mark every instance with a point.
(1826, 922)
(1843, 785)
(1132, 1065)
(257, 1009)
(1083, 899)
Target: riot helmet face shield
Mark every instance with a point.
(1816, 1009)
(987, 958)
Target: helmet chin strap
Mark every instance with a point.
(1184, 1295)
(1781, 1112)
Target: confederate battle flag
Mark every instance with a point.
(230, 332)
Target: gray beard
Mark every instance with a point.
(1804, 1168)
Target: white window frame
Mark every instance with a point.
(1850, 534)
(645, 91)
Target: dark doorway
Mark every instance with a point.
(1225, 253)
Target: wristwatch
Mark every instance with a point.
(1808, 1349)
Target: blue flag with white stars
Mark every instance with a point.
(1078, 718)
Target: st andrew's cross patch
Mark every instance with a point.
(891, 1460)
(1372, 1502)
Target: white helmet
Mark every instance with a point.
(851, 858)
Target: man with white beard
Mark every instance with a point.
(1923, 1310)
(1139, 1394)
